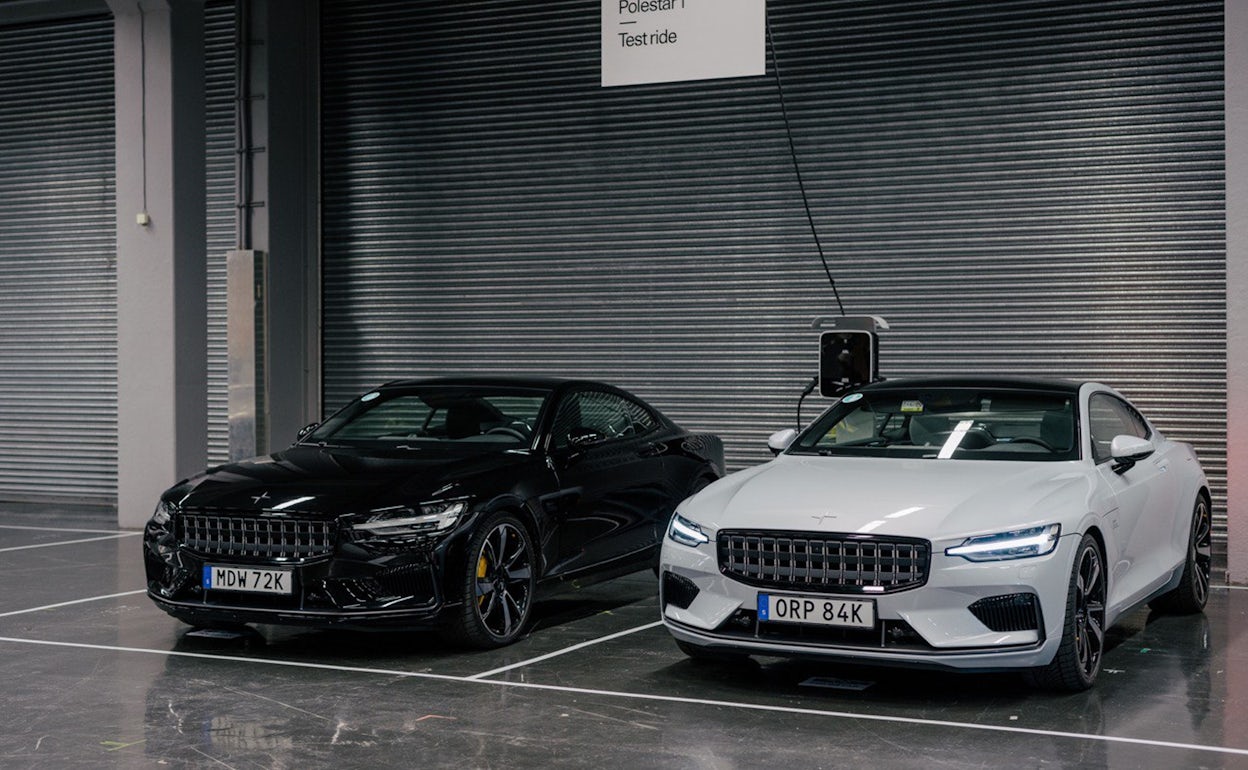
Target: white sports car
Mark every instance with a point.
(984, 524)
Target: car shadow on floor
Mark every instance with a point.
(835, 684)
(560, 609)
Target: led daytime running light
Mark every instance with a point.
(686, 532)
(434, 517)
(1018, 544)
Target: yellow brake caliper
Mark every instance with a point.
(482, 568)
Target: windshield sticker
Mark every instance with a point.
(851, 398)
(911, 406)
(370, 396)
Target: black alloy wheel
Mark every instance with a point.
(498, 586)
(1078, 659)
(1090, 612)
(1192, 592)
(1200, 553)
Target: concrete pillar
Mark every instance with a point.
(293, 69)
(1236, 36)
(161, 270)
(281, 215)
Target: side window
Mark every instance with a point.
(606, 414)
(1109, 417)
(1139, 425)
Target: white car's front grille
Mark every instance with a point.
(815, 561)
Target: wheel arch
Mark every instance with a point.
(516, 507)
(1099, 537)
(1208, 497)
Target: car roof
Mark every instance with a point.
(962, 381)
(527, 381)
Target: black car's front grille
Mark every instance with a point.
(815, 561)
(255, 537)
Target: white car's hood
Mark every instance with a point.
(925, 498)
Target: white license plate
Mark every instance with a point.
(816, 610)
(219, 577)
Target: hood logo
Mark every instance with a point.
(820, 518)
(261, 496)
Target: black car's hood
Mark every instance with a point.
(337, 480)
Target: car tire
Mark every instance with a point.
(1078, 658)
(718, 657)
(1192, 592)
(496, 586)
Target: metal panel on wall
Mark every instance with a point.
(221, 215)
(58, 290)
(1019, 187)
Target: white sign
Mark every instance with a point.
(661, 41)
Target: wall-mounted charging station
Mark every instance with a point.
(849, 350)
(849, 355)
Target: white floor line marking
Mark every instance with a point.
(240, 659)
(565, 650)
(71, 603)
(655, 697)
(64, 529)
(1232, 588)
(69, 542)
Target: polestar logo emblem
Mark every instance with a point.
(259, 497)
(819, 519)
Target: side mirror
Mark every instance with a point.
(1129, 450)
(305, 430)
(584, 437)
(781, 440)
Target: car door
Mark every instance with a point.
(1142, 525)
(611, 476)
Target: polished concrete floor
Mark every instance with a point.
(94, 676)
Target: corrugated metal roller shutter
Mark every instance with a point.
(221, 217)
(58, 295)
(1018, 187)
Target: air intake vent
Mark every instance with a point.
(1011, 612)
(678, 590)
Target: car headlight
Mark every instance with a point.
(686, 532)
(1015, 544)
(163, 513)
(435, 516)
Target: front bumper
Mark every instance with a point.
(355, 586)
(938, 624)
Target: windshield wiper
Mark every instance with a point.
(834, 451)
(874, 441)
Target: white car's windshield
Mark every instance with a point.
(947, 423)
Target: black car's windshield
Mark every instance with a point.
(485, 418)
(947, 423)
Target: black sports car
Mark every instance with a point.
(442, 502)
